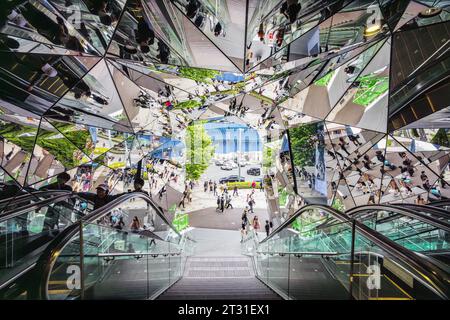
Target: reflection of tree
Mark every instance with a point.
(302, 144)
(267, 157)
(441, 138)
(338, 204)
(199, 150)
(196, 74)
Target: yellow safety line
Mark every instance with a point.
(54, 82)
(59, 88)
(414, 113)
(399, 288)
(15, 66)
(57, 282)
(403, 118)
(58, 291)
(33, 76)
(431, 103)
(45, 80)
(388, 298)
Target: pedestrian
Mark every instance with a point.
(135, 225)
(182, 202)
(251, 202)
(60, 184)
(228, 202)
(215, 188)
(100, 198)
(255, 224)
(244, 217)
(243, 232)
(205, 186)
(119, 224)
(235, 191)
(222, 203)
(267, 227)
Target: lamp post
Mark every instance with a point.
(239, 154)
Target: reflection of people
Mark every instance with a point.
(19, 20)
(100, 198)
(48, 71)
(60, 184)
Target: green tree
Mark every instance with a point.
(441, 138)
(302, 145)
(267, 157)
(198, 74)
(199, 150)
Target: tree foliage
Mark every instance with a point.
(302, 144)
(197, 74)
(199, 150)
(441, 138)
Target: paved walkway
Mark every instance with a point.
(229, 220)
(217, 243)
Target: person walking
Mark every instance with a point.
(243, 232)
(218, 203)
(205, 186)
(244, 217)
(100, 198)
(255, 224)
(60, 184)
(235, 191)
(251, 202)
(215, 188)
(183, 199)
(119, 224)
(267, 227)
(222, 203)
(135, 225)
(228, 202)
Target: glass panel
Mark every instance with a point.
(26, 235)
(379, 275)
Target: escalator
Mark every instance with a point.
(28, 224)
(408, 226)
(91, 260)
(443, 204)
(429, 211)
(321, 253)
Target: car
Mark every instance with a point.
(232, 178)
(242, 163)
(254, 171)
(226, 166)
(219, 163)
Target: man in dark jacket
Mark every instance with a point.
(60, 184)
(100, 198)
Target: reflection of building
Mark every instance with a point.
(230, 138)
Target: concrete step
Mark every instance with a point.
(219, 278)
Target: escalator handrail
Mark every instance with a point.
(439, 203)
(31, 195)
(431, 275)
(36, 205)
(48, 258)
(434, 211)
(402, 211)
